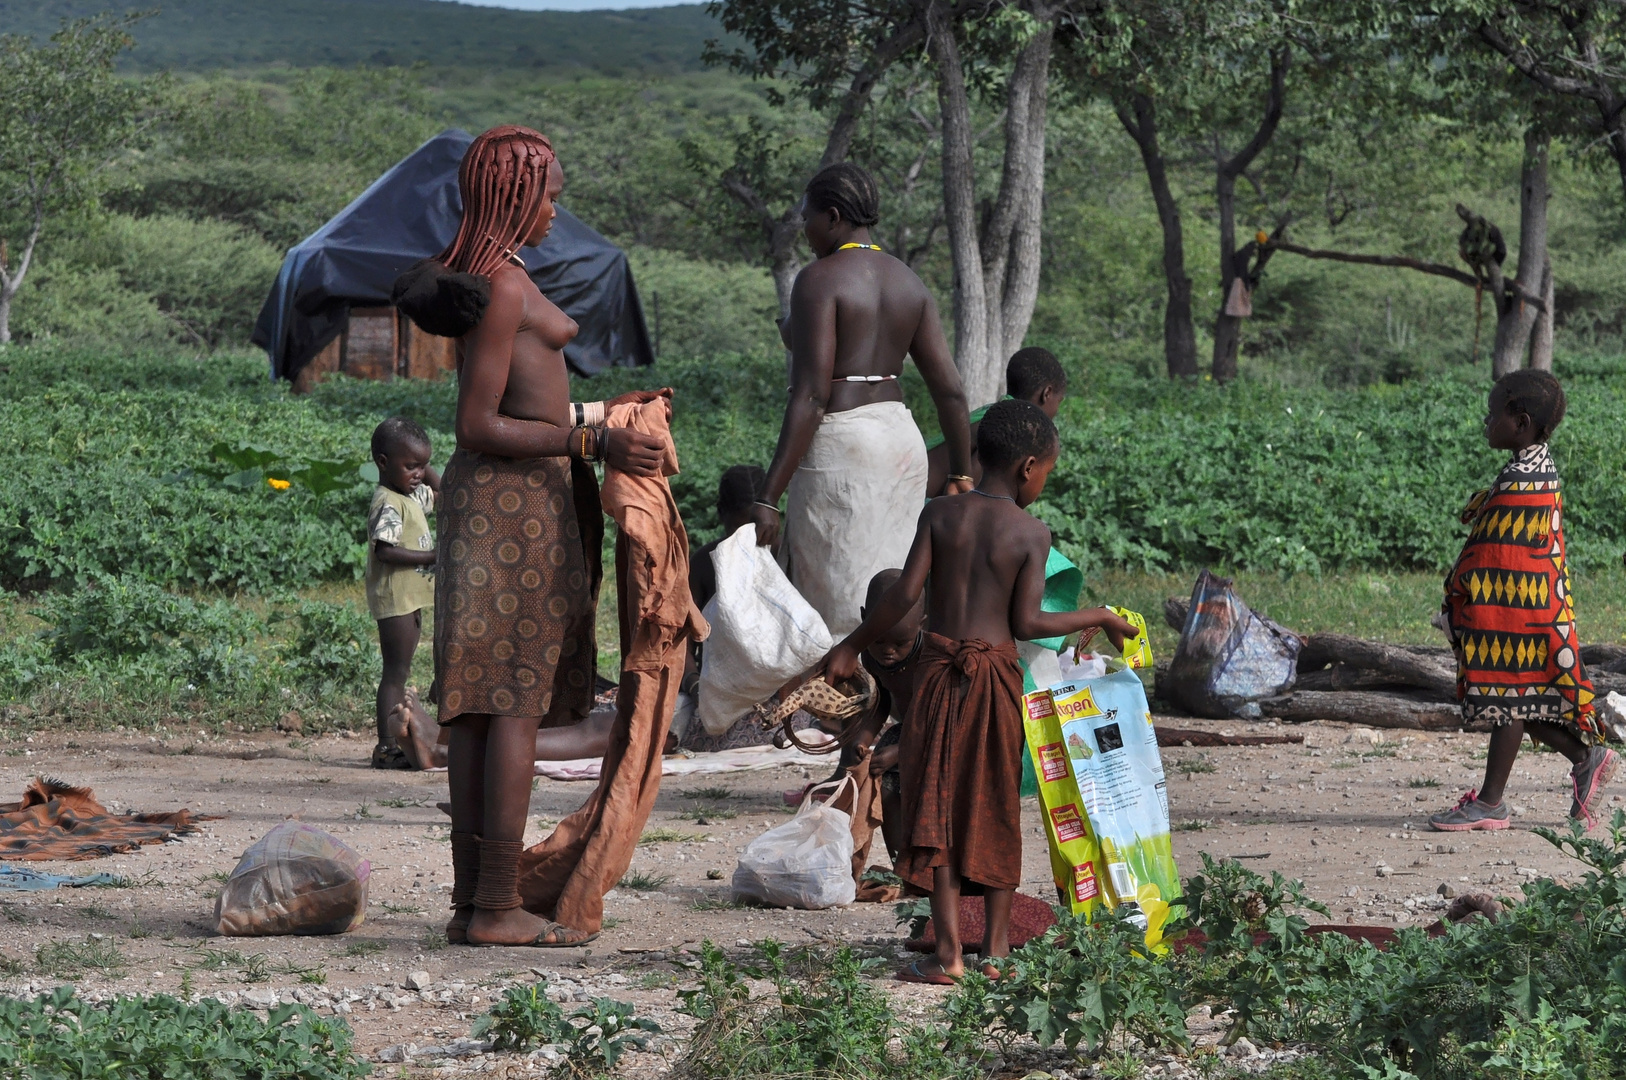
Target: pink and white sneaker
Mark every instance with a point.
(1588, 778)
(1470, 814)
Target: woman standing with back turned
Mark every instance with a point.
(513, 593)
(849, 455)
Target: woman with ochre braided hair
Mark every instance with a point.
(516, 582)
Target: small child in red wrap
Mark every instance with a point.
(961, 750)
(1511, 616)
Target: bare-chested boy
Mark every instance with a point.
(961, 752)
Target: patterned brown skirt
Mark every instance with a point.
(515, 588)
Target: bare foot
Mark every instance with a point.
(519, 927)
(417, 733)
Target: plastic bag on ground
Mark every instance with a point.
(1229, 657)
(806, 862)
(763, 633)
(296, 879)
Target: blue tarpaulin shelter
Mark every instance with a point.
(412, 212)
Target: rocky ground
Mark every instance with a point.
(1346, 812)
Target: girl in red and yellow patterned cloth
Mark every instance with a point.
(1511, 616)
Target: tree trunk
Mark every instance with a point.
(1010, 242)
(1516, 316)
(1541, 339)
(1228, 328)
(996, 266)
(1139, 118)
(970, 299)
(5, 316)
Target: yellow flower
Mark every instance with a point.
(279, 485)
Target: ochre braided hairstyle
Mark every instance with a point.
(502, 180)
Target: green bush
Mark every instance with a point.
(132, 627)
(60, 1036)
(335, 645)
(128, 282)
(114, 466)
(1255, 475)
(822, 1019)
(594, 1037)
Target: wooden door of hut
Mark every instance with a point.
(380, 343)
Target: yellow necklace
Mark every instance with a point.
(866, 247)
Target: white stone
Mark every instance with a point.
(418, 980)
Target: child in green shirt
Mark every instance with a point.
(400, 564)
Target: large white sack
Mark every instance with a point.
(805, 863)
(762, 632)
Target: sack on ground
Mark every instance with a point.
(806, 862)
(763, 633)
(1229, 657)
(296, 879)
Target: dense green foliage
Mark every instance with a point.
(134, 467)
(201, 35)
(60, 1036)
(594, 1037)
(1303, 479)
(1538, 993)
(821, 1018)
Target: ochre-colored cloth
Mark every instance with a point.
(565, 877)
(1508, 601)
(960, 760)
(56, 821)
(515, 589)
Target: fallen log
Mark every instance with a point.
(1343, 677)
(1604, 657)
(1398, 663)
(1370, 708)
(1173, 736)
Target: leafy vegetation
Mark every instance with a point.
(58, 1036)
(822, 1018)
(594, 1037)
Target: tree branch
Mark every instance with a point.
(1275, 102)
(1402, 261)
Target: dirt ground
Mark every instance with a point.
(1345, 812)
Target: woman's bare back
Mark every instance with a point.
(874, 307)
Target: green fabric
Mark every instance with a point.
(1063, 582)
(937, 440)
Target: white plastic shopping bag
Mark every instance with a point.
(807, 861)
(763, 633)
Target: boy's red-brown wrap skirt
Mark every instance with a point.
(516, 587)
(960, 763)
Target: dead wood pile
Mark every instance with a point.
(1356, 681)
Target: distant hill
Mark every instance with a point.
(201, 35)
